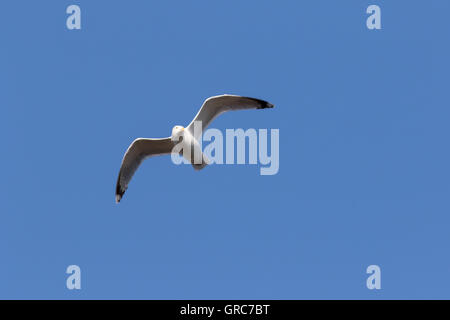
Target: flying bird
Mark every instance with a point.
(143, 148)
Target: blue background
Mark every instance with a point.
(364, 158)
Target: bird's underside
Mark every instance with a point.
(143, 148)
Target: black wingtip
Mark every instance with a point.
(262, 103)
(119, 192)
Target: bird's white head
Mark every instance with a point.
(177, 132)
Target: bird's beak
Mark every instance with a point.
(182, 129)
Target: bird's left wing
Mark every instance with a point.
(138, 151)
(214, 106)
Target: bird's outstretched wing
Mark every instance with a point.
(216, 105)
(139, 150)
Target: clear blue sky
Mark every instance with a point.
(364, 157)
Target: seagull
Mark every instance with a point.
(143, 148)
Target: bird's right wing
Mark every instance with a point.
(214, 106)
(139, 150)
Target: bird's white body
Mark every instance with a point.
(188, 147)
